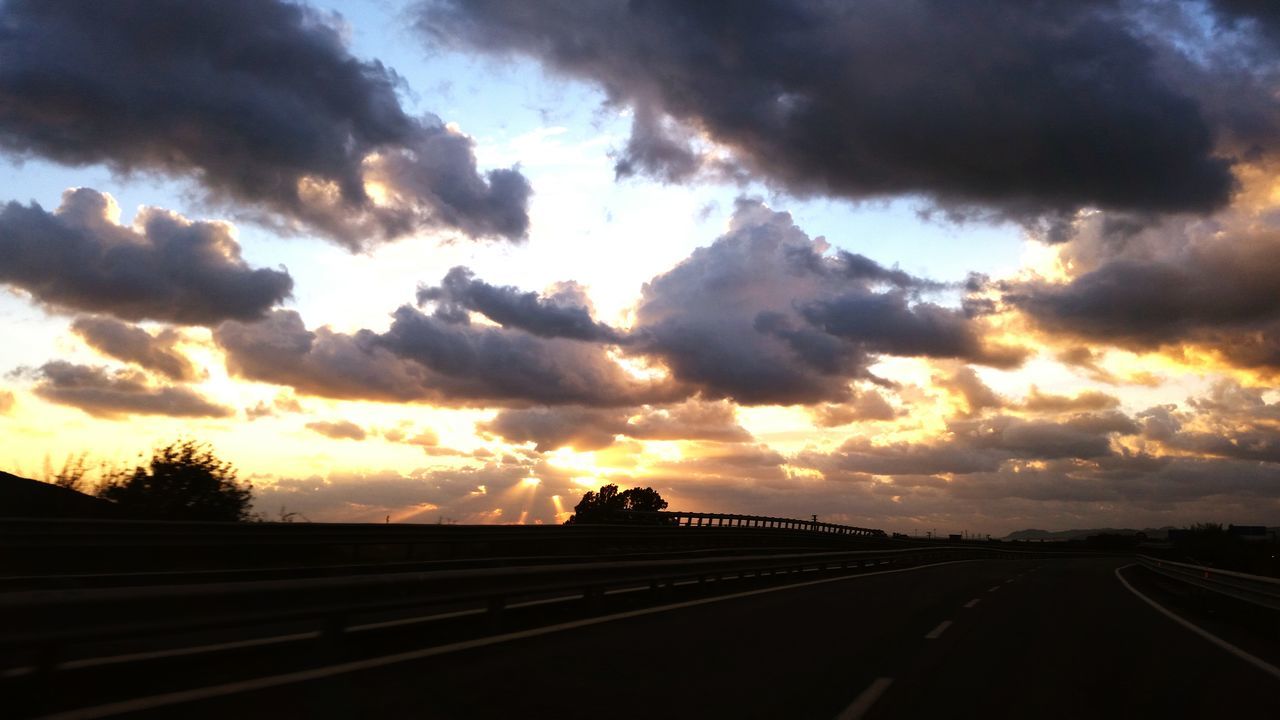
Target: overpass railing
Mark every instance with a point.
(1256, 589)
(701, 519)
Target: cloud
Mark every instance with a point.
(282, 403)
(425, 439)
(564, 314)
(105, 394)
(980, 445)
(163, 267)
(511, 366)
(258, 101)
(965, 384)
(866, 406)
(132, 344)
(338, 429)
(1033, 109)
(1161, 287)
(494, 492)
(1089, 400)
(424, 359)
(280, 350)
(695, 419)
(586, 429)
(887, 323)
(1231, 421)
(764, 315)
(583, 429)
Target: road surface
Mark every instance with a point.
(1058, 638)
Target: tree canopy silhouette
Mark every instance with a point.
(600, 506)
(183, 481)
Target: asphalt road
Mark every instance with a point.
(1058, 638)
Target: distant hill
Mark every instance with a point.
(1059, 535)
(24, 498)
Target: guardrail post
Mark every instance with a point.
(496, 606)
(332, 635)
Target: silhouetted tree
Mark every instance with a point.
(183, 481)
(599, 506)
(73, 472)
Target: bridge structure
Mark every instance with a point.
(728, 520)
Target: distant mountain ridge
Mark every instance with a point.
(1160, 533)
(1080, 534)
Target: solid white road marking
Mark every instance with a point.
(1253, 660)
(412, 620)
(935, 633)
(865, 699)
(973, 602)
(177, 652)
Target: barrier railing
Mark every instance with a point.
(39, 619)
(32, 547)
(700, 519)
(1256, 589)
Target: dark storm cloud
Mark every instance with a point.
(763, 315)
(258, 100)
(490, 364)
(423, 358)
(102, 393)
(1025, 108)
(566, 314)
(164, 267)
(1174, 283)
(338, 429)
(132, 344)
(886, 323)
(1265, 15)
(582, 429)
(281, 350)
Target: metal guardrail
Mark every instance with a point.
(1255, 589)
(700, 519)
(39, 620)
(29, 546)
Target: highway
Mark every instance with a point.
(1055, 638)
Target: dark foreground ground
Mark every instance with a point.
(1058, 638)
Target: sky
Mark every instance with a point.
(906, 264)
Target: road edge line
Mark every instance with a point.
(865, 699)
(1244, 655)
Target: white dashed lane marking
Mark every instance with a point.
(935, 633)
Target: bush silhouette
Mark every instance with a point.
(601, 506)
(183, 481)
